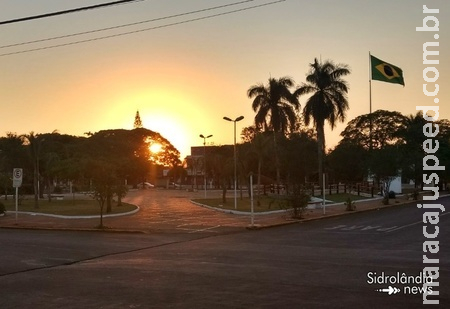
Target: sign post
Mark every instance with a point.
(251, 200)
(17, 182)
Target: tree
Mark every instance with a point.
(385, 166)
(167, 156)
(34, 144)
(260, 146)
(221, 165)
(328, 101)
(411, 140)
(298, 157)
(54, 150)
(249, 133)
(177, 174)
(104, 180)
(12, 154)
(386, 129)
(276, 109)
(348, 162)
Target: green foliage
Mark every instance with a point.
(298, 155)
(415, 194)
(385, 164)
(348, 163)
(67, 207)
(328, 100)
(276, 110)
(350, 205)
(275, 105)
(297, 200)
(386, 126)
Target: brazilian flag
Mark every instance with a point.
(386, 72)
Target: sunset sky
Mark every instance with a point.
(185, 78)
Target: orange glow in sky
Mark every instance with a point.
(184, 79)
(155, 148)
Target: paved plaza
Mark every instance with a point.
(171, 211)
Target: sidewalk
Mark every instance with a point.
(171, 211)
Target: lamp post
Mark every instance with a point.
(235, 168)
(204, 157)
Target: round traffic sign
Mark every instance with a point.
(18, 173)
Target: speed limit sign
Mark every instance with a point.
(17, 177)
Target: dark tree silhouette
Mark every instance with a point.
(276, 109)
(328, 101)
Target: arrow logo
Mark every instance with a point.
(391, 290)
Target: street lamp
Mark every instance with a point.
(235, 177)
(204, 157)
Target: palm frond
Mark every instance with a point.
(256, 90)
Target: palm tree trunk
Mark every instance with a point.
(277, 159)
(259, 177)
(320, 154)
(36, 184)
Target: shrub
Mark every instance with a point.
(391, 194)
(415, 194)
(350, 205)
(297, 201)
(2, 209)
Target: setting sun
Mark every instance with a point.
(155, 148)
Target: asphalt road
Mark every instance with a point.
(317, 264)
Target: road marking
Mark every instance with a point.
(353, 227)
(387, 229)
(369, 227)
(343, 227)
(335, 227)
(377, 228)
(411, 224)
(206, 229)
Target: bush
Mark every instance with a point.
(350, 205)
(415, 194)
(391, 194)
(2, 209)
(297, 201)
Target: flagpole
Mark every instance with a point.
(370, 101)
(370, 84)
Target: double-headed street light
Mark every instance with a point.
(204, 157)
(235, 161)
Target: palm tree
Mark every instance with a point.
(276, 109)
(328, 101)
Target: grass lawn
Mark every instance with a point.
(267, 203)
(342, 197)
(66, 207)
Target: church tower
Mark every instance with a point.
(137, 121)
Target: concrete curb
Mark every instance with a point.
(77, 217)
(246, 213)
(339, 214)
(255, 227)
(106, 229)
(62, 229)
